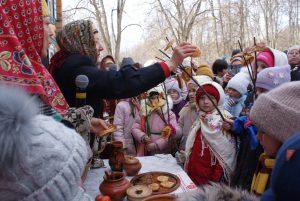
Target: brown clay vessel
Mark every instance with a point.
(114, 185)
(131, 165)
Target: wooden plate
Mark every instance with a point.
(108, 131)
(148, 178)
(160, 198)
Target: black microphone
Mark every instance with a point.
(81, 82)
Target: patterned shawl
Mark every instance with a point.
(21, 43)
(75, 38)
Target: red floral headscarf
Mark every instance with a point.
(21, 43)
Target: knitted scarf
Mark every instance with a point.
(262, 174)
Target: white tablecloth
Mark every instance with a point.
(160, 162)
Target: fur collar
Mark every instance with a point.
(217, 192)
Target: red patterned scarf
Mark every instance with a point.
(21, 43)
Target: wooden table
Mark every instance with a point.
(160, 162)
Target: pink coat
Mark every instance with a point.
(156, 126)
(124, 120)
(187, 117)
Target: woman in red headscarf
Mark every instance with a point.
(22, 39)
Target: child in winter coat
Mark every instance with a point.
(126, 112)
(277, 117)
(187, 116)
(210, 149)
(153, 130)
(176, 94)
(236, 94)
(249, 148)
(271, 57)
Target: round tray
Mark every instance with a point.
(108, 131)
(151, 177)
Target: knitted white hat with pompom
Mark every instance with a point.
(40, 158)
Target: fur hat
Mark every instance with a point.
(239, 82)
(277, 112)
(269, 78)
(217, 192)
(40, 158)
(204, 69)
(294, 47)
(267, 57)
(285, 182)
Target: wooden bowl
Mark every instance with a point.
(160, 198)
(110, 130)
(138, 192)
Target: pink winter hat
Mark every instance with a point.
(266, 57)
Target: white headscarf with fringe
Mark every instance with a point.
(221, 143)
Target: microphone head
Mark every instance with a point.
(82, 81)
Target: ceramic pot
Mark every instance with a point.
(131, 165)
(138, 192)
(114, 185)
(117, 158)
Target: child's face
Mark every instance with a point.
(233, 93)
(261, 65)
(270, 144)
(192, 88)
(154, 99)
(174, 94)
(205, 104)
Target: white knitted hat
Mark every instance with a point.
(239, 82)
(40, 158)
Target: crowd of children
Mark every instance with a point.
(228, 125)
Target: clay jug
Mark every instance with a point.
(131, 165)
(114, 185)
(117, 158)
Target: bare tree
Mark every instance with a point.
(180, 16)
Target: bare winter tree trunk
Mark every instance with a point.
(224, 43)
(215, 26)
(242, 25)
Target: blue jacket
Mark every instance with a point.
(285, 177)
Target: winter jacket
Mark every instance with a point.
(127, 82)
(155, 128)
(124, 119)
(177, 108)
(187, 116)
(216, 192)
(234, 106)
(203, 166)
(249, 151)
